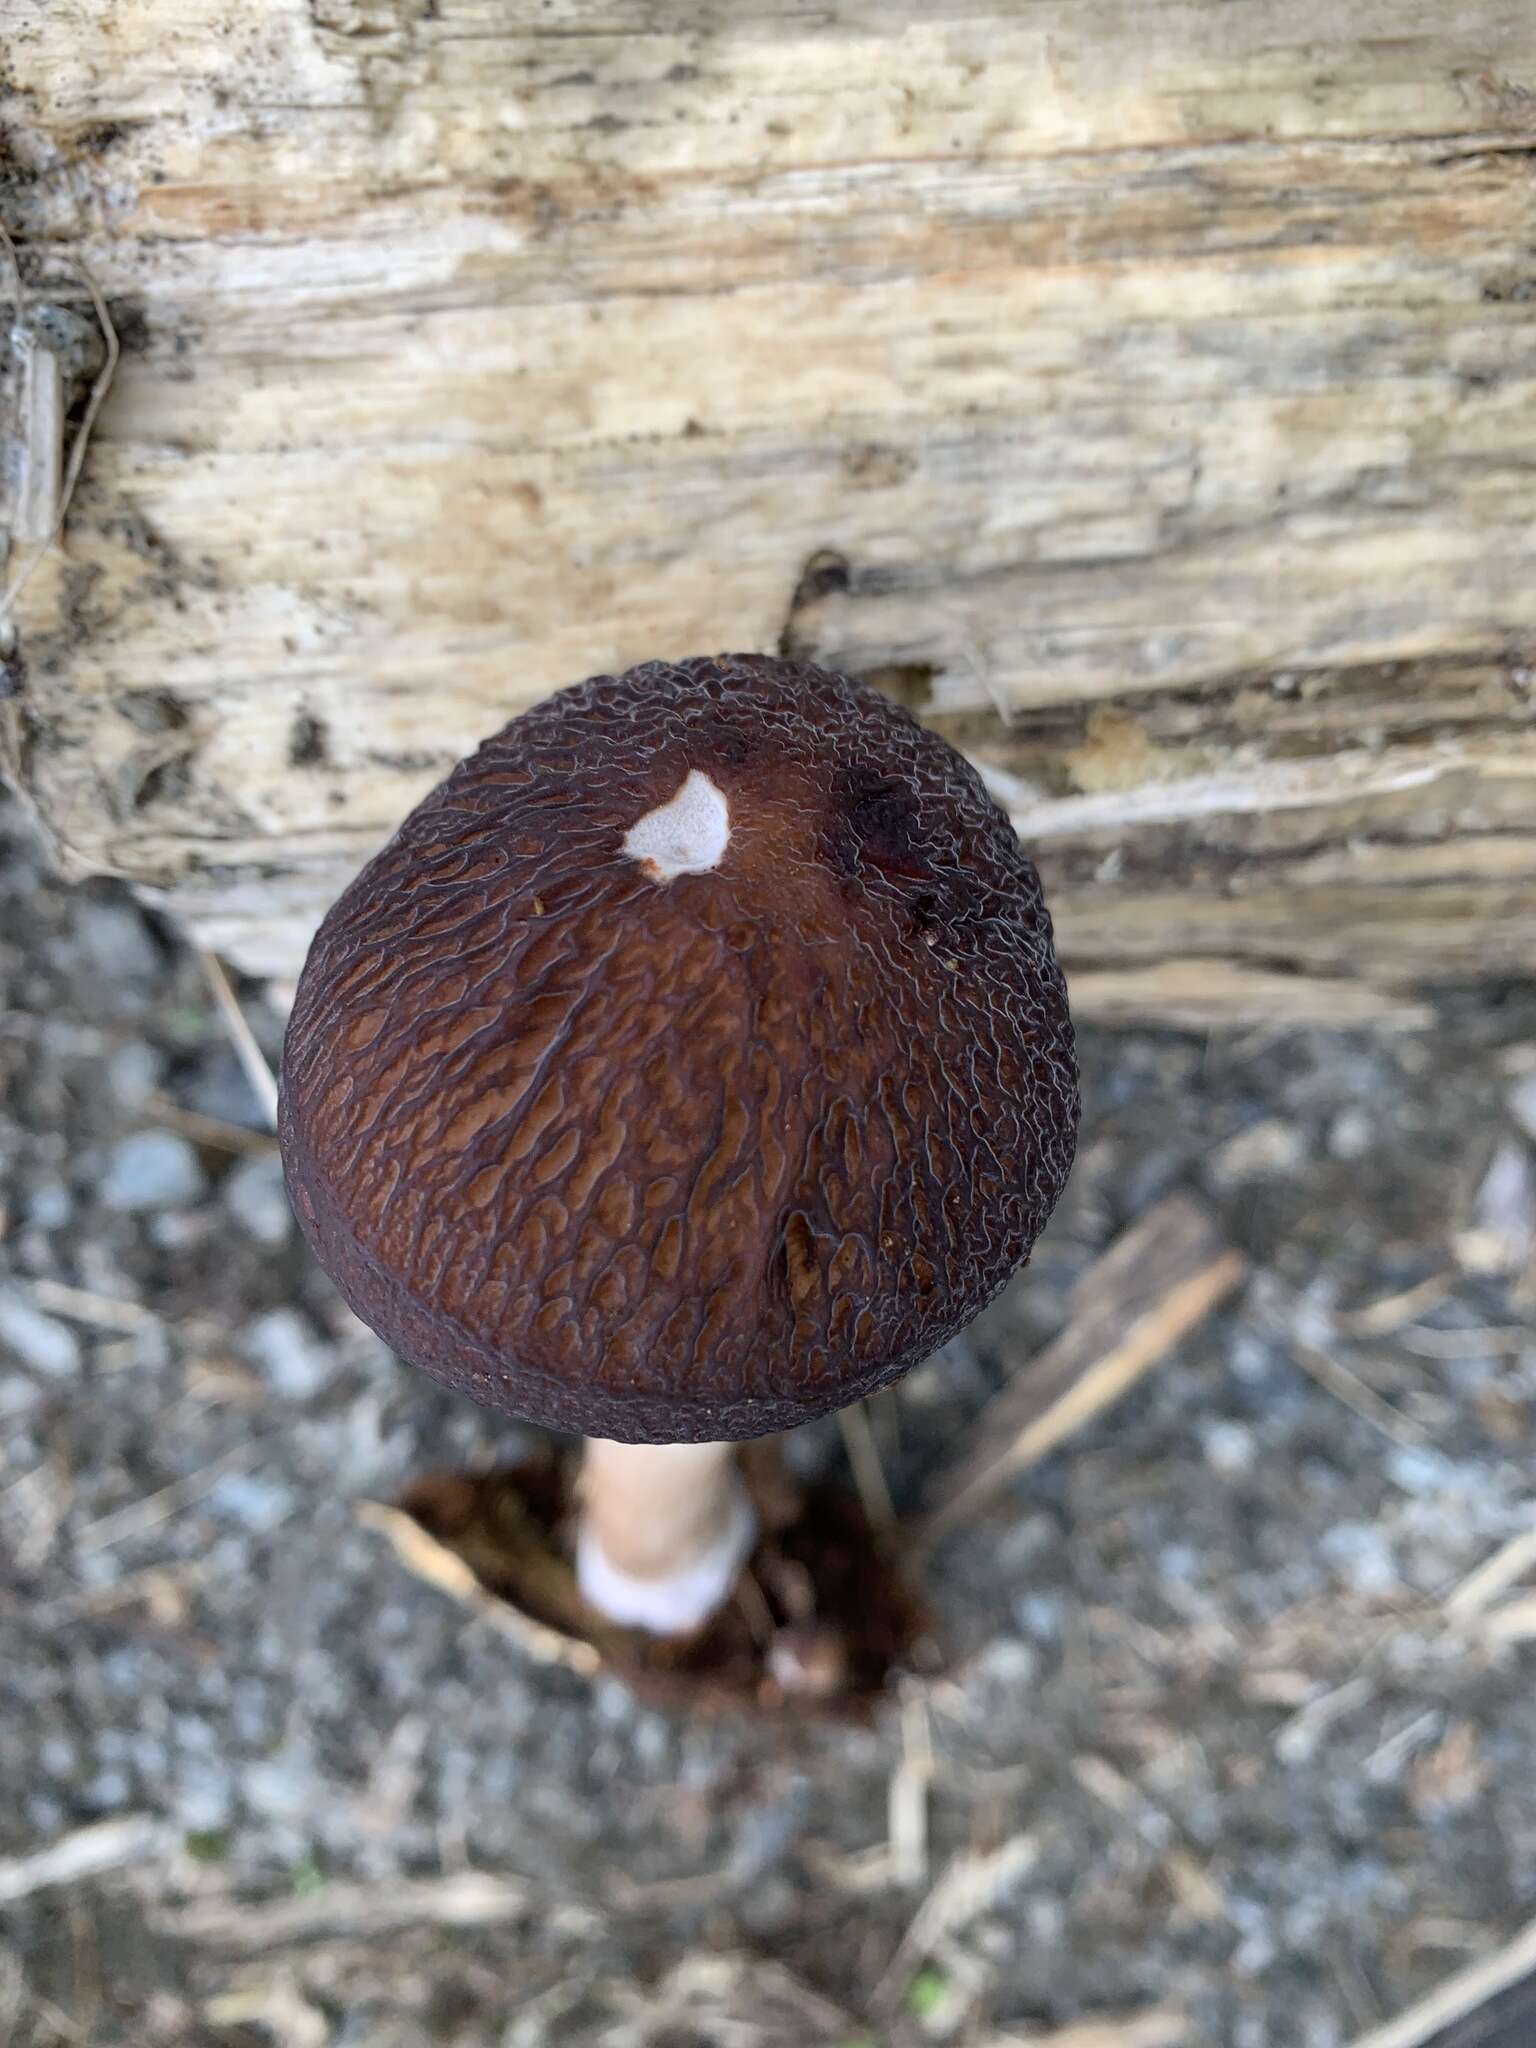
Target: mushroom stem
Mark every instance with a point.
(664, 1530)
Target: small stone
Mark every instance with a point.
(1007, 1661)
(1522, 1104)
(1420, 1471)
(1351, 1134)
(134, 1073)
(113, 938)
(151, 1170)
(181, 1230)
(1502, 1235)
(1363, 1558)
(1040, 1615)
(255, 1502)
(48, 1206)
(40, 1341)
(255, 1196)
(1229, 1447)
(1264, 1149)
(295, 1362)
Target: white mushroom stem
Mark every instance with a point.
(664, 1530)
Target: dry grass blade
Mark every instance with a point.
(279, 2009)
(1155, 1284)
(968, 1888)
(1495, 1997)
(154, 1508)
(243, 1039)
(726, 2001)
(1505, 1342)
(1162, 2028)
(1393, 1312)
(467, 1898)
(92, 1851)
(1495, 1575)
(445, 1569)
(1514, 1622)
(868, 1472)
(1352, 1391)
(212, 1131)
(907, 1799)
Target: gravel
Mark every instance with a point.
(152, 1170)
(42, 1343)
(1205, 1702)
(254, 1194)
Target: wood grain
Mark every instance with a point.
(1147, 392)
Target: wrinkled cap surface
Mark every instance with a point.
(662, 1153)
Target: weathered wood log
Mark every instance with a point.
(1146, 392)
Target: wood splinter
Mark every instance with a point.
(1155, 1284)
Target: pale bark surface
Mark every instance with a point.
(1147, 390)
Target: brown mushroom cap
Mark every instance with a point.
(692, 1158)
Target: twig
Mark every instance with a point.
(1514, 1622)
(213, 1131)
(1298, 1737)
(1491, 1343)
(87, 1852)
(470, 1898)
(1509, 1975)
(102, 1311)
(1163, 2028)
(1195, 1888)
(1349, 1388)
(447, 1571)
(1495, 1575)
(279, 2008)
(907, 1799)
(1387, 1758)
(249, 1053)
(967, 1888)
(1392, 1312)
(155, 1508)
(868, 1472)
(1153, 1287)
(155, 1585)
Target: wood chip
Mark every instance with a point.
(1492, 2004)
(1152, 1288)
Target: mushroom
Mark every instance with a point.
(692, 1062)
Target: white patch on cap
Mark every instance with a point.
(686, 836)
